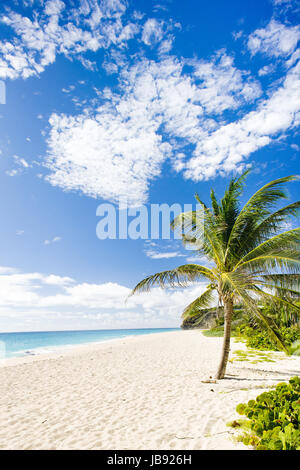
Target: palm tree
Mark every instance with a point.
(253, 259)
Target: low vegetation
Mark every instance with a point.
(273, 418)
(253, 356)
(254, 333)
(259, 339)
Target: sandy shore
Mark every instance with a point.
(136, 393)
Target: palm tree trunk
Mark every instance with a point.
(228, 311)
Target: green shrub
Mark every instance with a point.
(260, 339)
(274, 418)
(217, 331)
(295, 348)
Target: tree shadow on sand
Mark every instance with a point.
(271, 375)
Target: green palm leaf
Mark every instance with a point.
(178, 277)
(203, 301)
(275, 245)
(255, 211)
(281, 300)
(250, 304)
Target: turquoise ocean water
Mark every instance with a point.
(39, 342)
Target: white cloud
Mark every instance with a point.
(25, 289)
(55, 280)
(293, 59)
(226, 149)
(224, 86)
(161, 255)
(68, 89)
(152, 32)
(85, 27)
(122, 140)
(57, 30)
(172, 108)
(26, 301)
(281, 2)
(202, 260)
(22, 165)
(54, 7)
(275, 40)
(21, 161)
(7, 270)
(53, 240)
(12, 172)
(166, 46)
(121, 150)
(237, 35)
(266, 69)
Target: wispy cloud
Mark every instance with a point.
(206, 116)
(58, 29)
(12, 172)
(202, 260)
(124, 141)
(26, 298)
(21, 161)
(152, 31)
(161, 255)
(275, 40)
(37, 42)
(226, 149)
(52, 240)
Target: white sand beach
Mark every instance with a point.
(142, 392)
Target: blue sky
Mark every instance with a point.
(146, 100)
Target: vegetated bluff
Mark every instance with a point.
(206, 318)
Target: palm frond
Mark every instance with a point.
(178, 277)
(229, 205)
(213, 228)
(268, 227)
(280, 291)
(282, 283)
(287, 261)
(282, 246)
(273, 223)
(199, 229)
(250, 305)
(214, 203)
(281, 300)
(291, 281)
(203, 301)
(255, 211)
